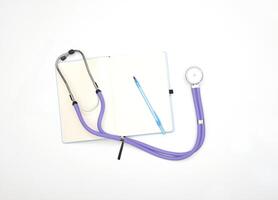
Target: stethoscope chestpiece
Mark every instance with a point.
(194, 76)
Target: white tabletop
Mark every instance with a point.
(234, 42)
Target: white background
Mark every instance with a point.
(235, 43)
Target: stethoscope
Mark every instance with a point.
(194, 76)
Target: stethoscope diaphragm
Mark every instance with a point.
(194, 75)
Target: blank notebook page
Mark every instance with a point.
(126, 111)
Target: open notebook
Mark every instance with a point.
(126, 112)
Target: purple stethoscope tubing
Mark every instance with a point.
(169, 155)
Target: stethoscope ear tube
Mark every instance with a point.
(62, 58)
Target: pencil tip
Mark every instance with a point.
(134, 78)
